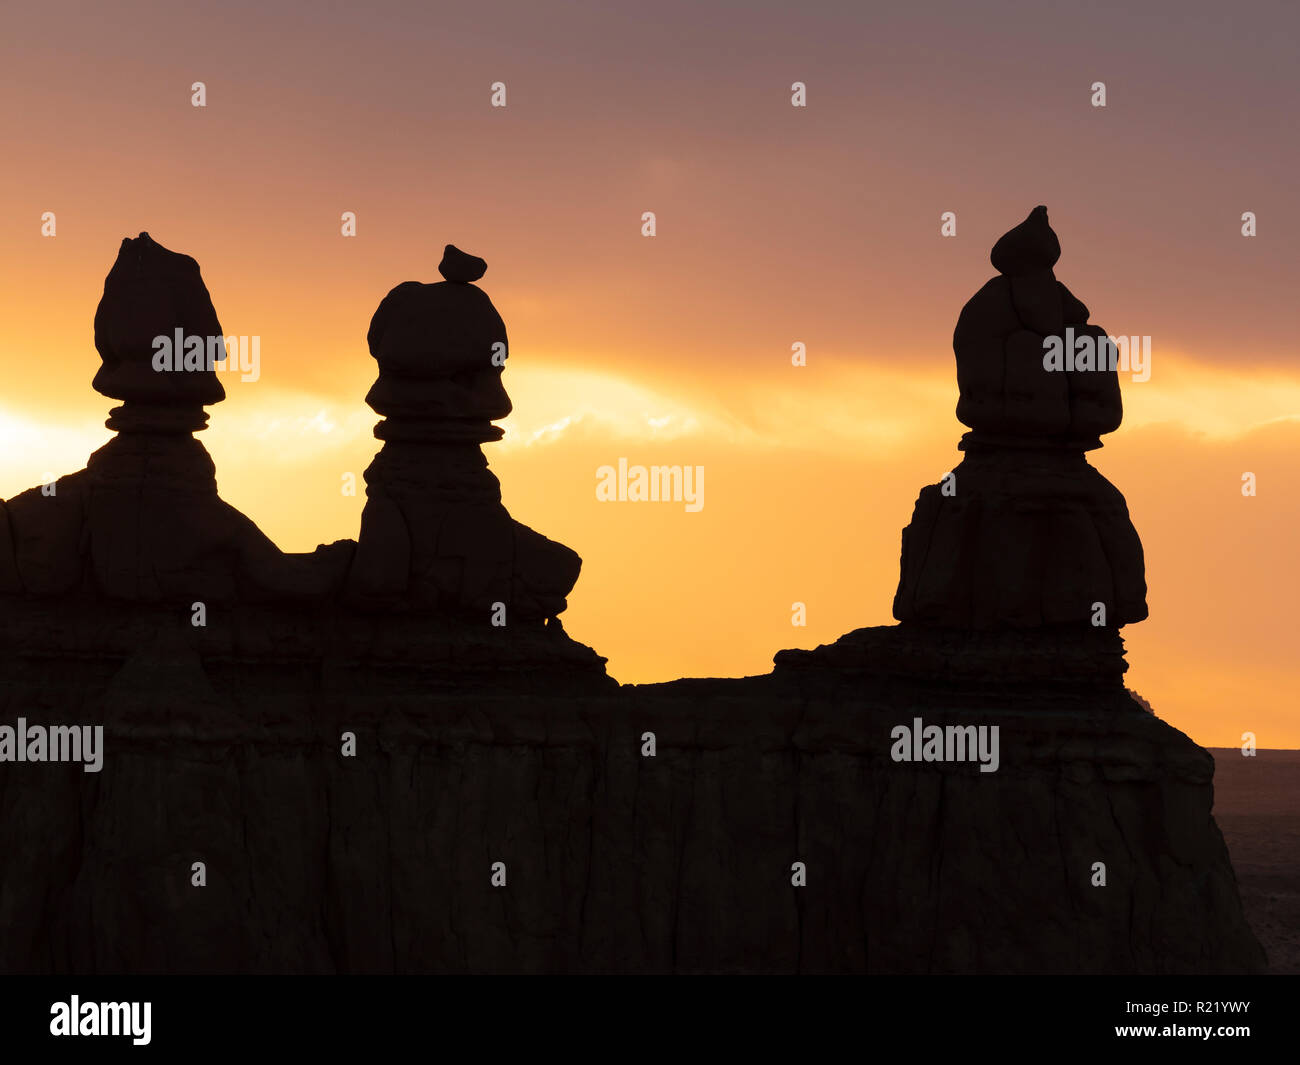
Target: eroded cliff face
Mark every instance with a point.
(614, 859)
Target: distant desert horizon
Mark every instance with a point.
(1257, 807)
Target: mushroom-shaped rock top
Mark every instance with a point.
(152, 292)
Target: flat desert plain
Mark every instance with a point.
(1257, 805)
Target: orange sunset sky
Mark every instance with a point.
(776, 225)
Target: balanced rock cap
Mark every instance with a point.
(456, 265)
(1028, 248)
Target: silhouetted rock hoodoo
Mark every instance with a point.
(143, 521)
(434, 533)
(1024, 534)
